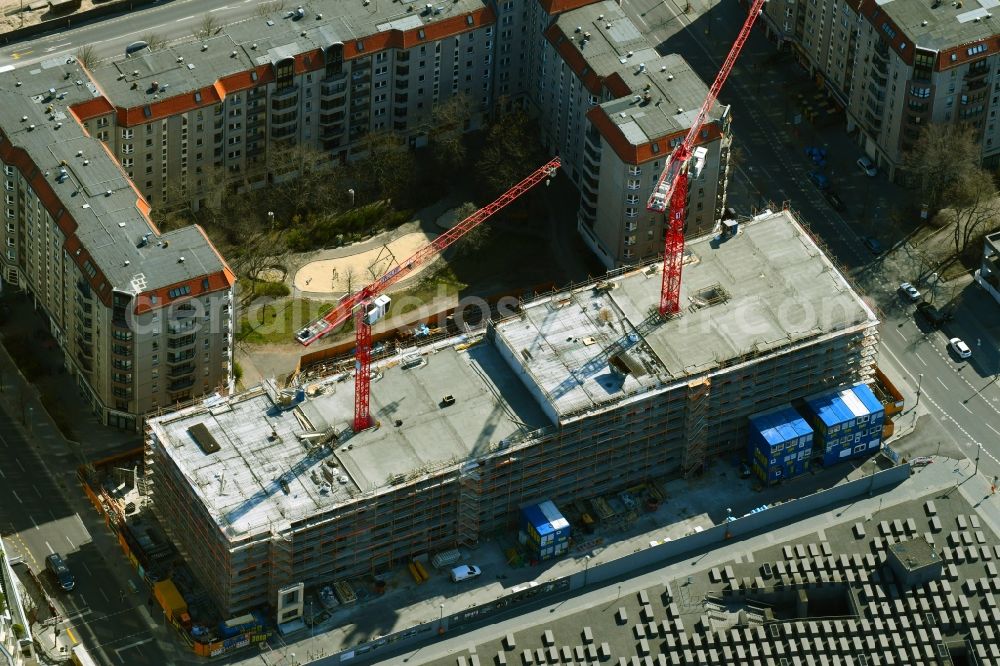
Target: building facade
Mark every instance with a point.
(181, 118)
(896, 67)
(16, 646)
(577, 394)
(144, 318)
(988, 275)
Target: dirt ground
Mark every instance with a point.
(11, 16)
(335, 275)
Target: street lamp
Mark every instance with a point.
(979, 449)
(441, 619)
(586, 569)
(920, 380)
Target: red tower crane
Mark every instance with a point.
(368, 307)
(672, 186)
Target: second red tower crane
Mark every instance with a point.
(670, 193)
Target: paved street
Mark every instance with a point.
(167, 20)
(43, 512)
(962, 396)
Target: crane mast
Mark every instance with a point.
(369, 306)
(670, 192)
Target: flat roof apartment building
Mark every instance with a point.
(143, 317)
(897, 66)
(221, 106)
(578, 393)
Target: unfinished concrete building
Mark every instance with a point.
(579, 393)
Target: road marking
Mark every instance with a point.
(51, 552)
(57, 46)
(133, 644)
(218, 9)
(2, 475)
(965, 407)
(920, 359)
(104, 594)
(70, 542)
(16, 496)
(34, 523)
(899, 333)
(186, 18)
(73, 617)
(38, 491)
(17, 56)
(993, 429)
(942, 383)
(89, 575)
(69, 632)
(18, 461)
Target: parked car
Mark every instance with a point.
(867, 166)
(932, 314)
(911, 292)
(821, 181)
(921, 461)
(834, 201)
(873, 245)
(465, 572)
(57, 567)
(959, 347)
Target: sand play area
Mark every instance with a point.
(357, 270)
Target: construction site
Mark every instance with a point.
(579, 393)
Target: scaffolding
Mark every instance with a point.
(470, 482)
(696, 432)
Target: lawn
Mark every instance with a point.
(277, 322)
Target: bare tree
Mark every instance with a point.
(474, 240)
(450, 121)
(209, 26)
(974, 207)
(389, 166)
(306, 181)
(154, 42)
(512, 150)
(942, 155)
(265, 9)
(87, 56)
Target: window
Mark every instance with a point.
(978, 48)
(179, 291)
(128, 133)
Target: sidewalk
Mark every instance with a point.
(54, 386)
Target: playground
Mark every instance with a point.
(351, 272)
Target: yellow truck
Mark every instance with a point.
(172, 603)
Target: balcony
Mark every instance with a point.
(174, 358)
(180, 343)
(329, 89)
(332, 131)
(283, 95)
(85, 363)
(181, 370)
(180, 385)
(880, 62)
(976, 72)
(331, 117)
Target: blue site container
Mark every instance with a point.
(547, 530)
(848, 423)
(780, 444)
